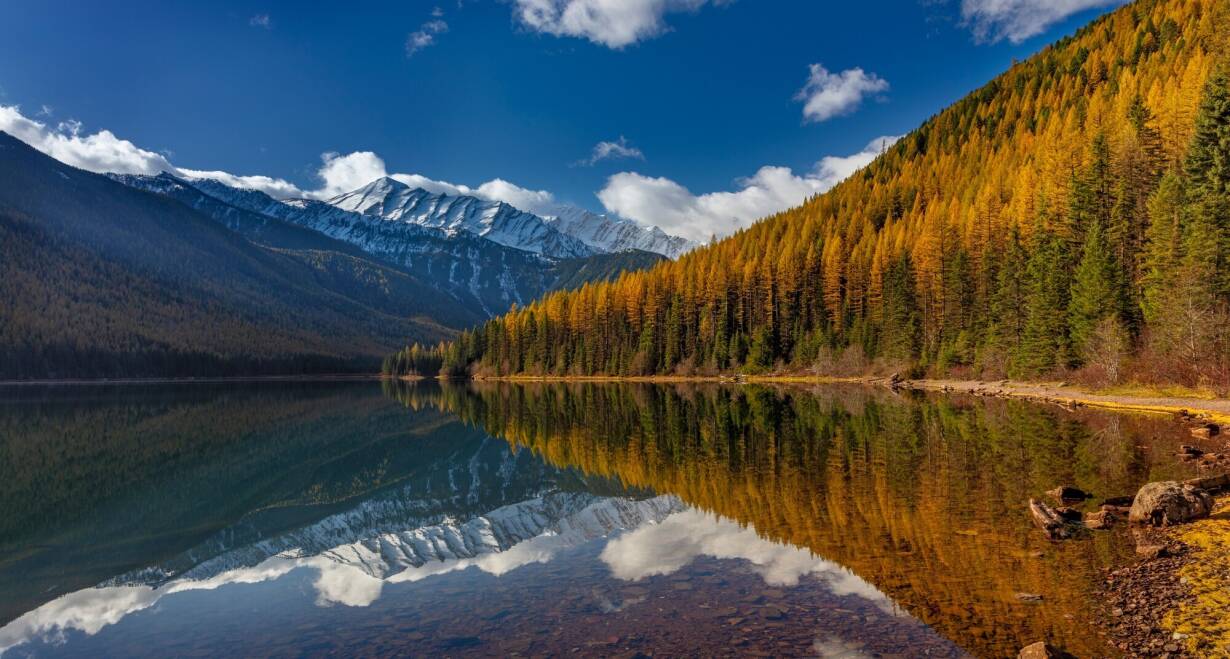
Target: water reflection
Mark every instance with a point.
(833, 522)
(921, 496)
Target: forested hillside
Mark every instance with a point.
(1071, 214)
(101, 280)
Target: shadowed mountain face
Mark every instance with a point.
(150, 276)
(99, 279)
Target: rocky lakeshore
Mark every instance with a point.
(1170, 602)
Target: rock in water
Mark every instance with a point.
(1041, 650)
(1206, 431)
(1210, 483)
(1167, 503)
(1119, 502)
(1067, 493)
(1103, 519)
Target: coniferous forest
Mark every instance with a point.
(1070, 217)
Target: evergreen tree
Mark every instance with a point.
(899, 333)
(1096, 290)
(1008, 307)
(1044, 341)
(1208, 177)
(1161, 256)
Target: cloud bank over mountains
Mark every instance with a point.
(1017, 20)
(772, 189)
(647, 200)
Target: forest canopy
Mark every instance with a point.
(1074, 213)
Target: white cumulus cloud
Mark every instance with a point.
(340, 174)
(826, 95)
(611, 151)
(1018, 20)
(611, 23)
(425, 36)
(534, 201)
(664, 203)
(102, 152)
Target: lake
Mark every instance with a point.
(319, 518)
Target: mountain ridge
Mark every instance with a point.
(102, 280)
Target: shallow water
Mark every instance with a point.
(598, 519)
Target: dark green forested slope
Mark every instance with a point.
(574, 273)
(100, 280)
(1072, 214)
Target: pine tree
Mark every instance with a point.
(1044, 341)
(1096, 290)
(1166, 209)
(1208, 176)
(899, 333)
(1008, 308)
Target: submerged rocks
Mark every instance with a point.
(1042, 650)
(1151, 550)
(1168, 502)
(1210, 483)
(1206, 430)
(1103, 519)
(1190, 452)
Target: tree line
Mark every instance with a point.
(1073, 214)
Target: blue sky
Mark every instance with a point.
(694, 98)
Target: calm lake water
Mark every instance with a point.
(314, 519)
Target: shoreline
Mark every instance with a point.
(1058, 393)
(1215, 409)
(74, 382)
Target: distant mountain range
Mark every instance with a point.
(164, 276)
(607, 234)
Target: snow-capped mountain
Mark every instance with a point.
(616, 234)
(470, 267)
(494, 220)
(484, 255)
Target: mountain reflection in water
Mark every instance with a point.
(839, 521)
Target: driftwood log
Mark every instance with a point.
(1055, 525)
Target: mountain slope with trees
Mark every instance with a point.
(1074, 213)
(100, 280)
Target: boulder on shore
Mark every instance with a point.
(1167, 503)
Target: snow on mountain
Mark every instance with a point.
(494, 220)
(487, 255)
(616, 234)
(460, 262)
